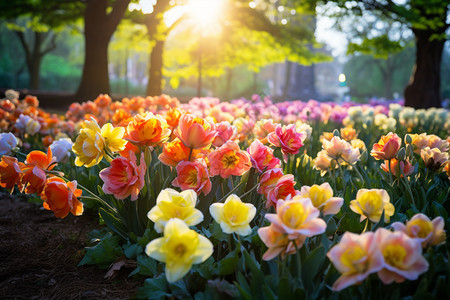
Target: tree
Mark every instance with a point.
(428, 20)
(35, 23)
(100, 22)
(238, 19)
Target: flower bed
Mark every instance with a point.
(248, 198)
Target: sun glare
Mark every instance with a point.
(205, 12)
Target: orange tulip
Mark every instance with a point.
(10, 172)
(387, 147)
(195, 132)
(405, 167)
(175, 152)
(34, 176)
(61, 197)
(148, 129)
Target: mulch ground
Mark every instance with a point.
(39, 255)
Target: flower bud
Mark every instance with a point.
(401, 155)
(364, 157)
(408, 139)
(336, 133)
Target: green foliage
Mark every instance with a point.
(106, 251)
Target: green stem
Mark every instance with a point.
(356, 169)
(344, 184)
(390, 174)
(366, 226)
(231, 192)
(190, 153)
(248, 192)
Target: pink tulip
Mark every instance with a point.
(287, 138)
(262, 157)
(423, 229)
(124, 177)
(284, 187)
(193, 175)
(403, 257)
(229, 160)
(355, 257)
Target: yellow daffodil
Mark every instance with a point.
(89, 145)
(179, 248)
(171, 204)
(114, 141)
(233, 215)
(371, 203)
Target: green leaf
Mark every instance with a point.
(312, 265)
(228, 264)
(147, 265)
(440, 210)
(154, 288)
(132, 250)
(104, 253)
(113, 223)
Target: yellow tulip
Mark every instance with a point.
(89, 145)
(233, 215)
(172, 204)
(371, 203)
(113, 137)
(179, 248)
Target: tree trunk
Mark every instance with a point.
(229, 81)
(287, 79)
(34, 64)
(98, 29)
(154, 85)
(423, 90)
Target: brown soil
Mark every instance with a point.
(39, 255)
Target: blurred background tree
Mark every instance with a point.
(428, 21)
(147, 47)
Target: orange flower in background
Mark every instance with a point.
(172, 117)
(326, 136)
(447, 169)
(262, 129)
(175, 151)
(47, 140)
(148, 129)
(229, 160)
(348, 133)
(397, 168)
(34, 176)
(10, 172)
(193, 175)
(121, 117)
(195, 132)
(387, 147)
(124, 177)
(103, 100)
(61, 197)
(31, 101)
